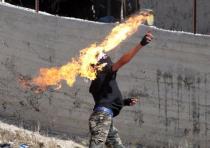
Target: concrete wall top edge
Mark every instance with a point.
(96, 23)
(47, 14)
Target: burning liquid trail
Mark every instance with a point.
(81, 66)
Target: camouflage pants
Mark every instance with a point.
(103, 132)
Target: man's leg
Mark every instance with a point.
(113, 139)
(99, 124)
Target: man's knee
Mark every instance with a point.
(113, 139)
(96, 143)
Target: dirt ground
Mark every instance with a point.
(12, 137)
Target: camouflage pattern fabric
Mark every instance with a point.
(103, 132)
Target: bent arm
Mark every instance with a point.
(132, 52)
(126, 57)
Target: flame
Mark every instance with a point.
(83, 65)
(53, 76)
(121, 32)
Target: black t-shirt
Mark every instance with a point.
(105, 89)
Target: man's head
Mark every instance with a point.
(101, 55)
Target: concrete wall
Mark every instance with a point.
(171, 76)
(178, 14)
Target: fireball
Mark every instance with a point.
(82, 65)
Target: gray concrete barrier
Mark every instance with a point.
(178, 15)
(171, 77)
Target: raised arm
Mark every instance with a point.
(126, 57)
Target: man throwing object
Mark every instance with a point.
(108, 99)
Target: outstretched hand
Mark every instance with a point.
(146, 39)
(130, 101)
(133, 101)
